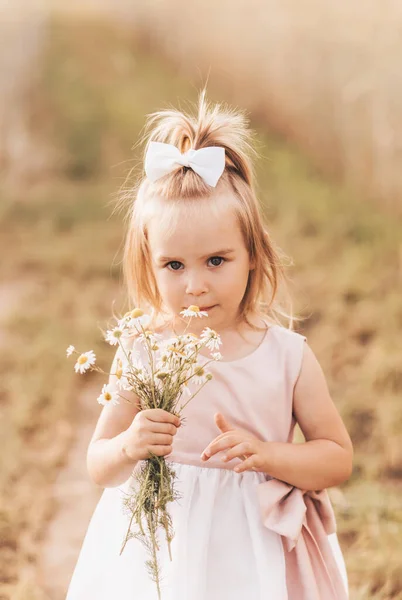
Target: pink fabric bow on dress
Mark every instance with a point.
(304, 519)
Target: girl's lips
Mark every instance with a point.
(205, 308)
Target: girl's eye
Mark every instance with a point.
(174, 265)
(216, 261)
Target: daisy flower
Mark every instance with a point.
(200, 375)
(135, 318)
(211, 339)
(190, 343)
(190, 338)
(70, 350)
(151, 337)
(216, 356)
(194, 311)
(84, 361)
(107, 396)
(113, 335)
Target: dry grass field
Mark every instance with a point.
(325, 74)
(61, 274)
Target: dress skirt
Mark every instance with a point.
(221, 549)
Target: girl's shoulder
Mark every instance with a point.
(288, 347)
(289, 335)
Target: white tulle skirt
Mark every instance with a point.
(221, 550)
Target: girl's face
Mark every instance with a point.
(201, 260)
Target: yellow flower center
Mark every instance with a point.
(194, 308)
(82, 359)
(137, 312)
(107, 396)
(199, 371)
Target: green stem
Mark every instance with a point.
(165, 525)
(195, 393)
(154, 555)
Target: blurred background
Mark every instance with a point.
(323, 86)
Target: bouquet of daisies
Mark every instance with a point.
(160, 381)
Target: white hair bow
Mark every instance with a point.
(162, 158)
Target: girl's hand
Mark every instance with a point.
(152, 430)
(240, 444)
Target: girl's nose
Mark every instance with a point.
(196, 286)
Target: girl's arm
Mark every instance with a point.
(326, 458)
(107, 463)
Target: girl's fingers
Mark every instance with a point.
(160, 439)
(163, 428)
(232, 434)
(223, 443)
(220, 437)
(158, 415)
(160, 450)
(247, 465)
(239, 451)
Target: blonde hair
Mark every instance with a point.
(212, 126)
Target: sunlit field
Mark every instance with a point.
(325, 74)
(61, 281)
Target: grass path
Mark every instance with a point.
(75, 497)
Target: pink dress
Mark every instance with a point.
(237, 535)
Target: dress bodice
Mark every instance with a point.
(253, 393)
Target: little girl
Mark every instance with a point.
(254, 521)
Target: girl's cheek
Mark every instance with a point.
(164, 281)
(169, 289)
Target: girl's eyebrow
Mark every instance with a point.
(178, 258)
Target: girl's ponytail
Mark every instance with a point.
(212, 126)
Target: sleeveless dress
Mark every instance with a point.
(238, 536)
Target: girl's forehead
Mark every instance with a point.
(198, 230)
